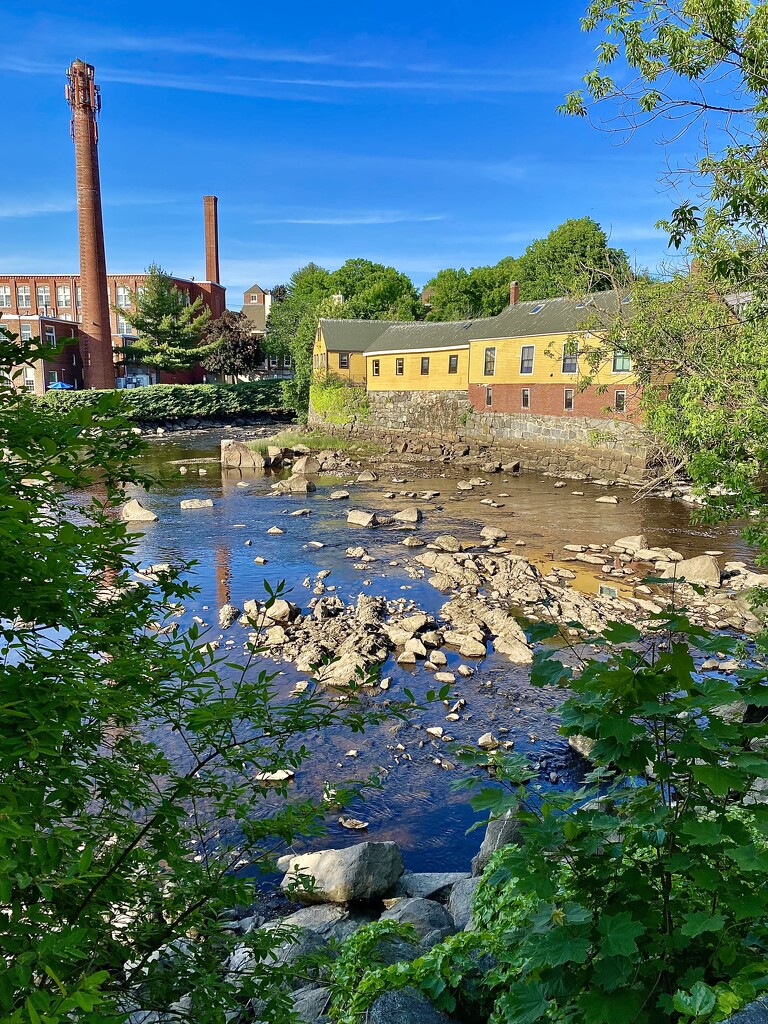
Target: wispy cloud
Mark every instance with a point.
(315, 88)
(355, 218)
(35, 208)
(44, 207)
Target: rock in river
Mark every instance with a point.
(360, 872)
(134, 512)
(196, 503)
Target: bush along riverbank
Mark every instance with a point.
(183, 406)
(633, 899)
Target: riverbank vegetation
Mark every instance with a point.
(174, 401)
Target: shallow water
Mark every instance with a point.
(414, 805)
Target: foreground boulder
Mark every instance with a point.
(360, 872)
(294, 485)
(236, 455)
(499, 832)
(425, 916)
(134, 512)
(307, 465)
(703, 569)
(407, 1006)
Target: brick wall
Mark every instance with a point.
(549, 400)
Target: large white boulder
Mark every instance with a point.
(360, 872)
(134, 512)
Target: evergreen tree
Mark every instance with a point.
(170, 328)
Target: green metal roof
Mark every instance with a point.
(523, 320)
(352, 335)
(415, 335)
(551, 316)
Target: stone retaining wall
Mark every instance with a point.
(558, 444)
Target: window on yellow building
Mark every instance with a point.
(526, 358)
(620, 403)
(622, 362)
(489, 396)
(399, 367)
(568, 400)
(375, 367)
(526, 398)
(489, 364)
(343, 360)
(570, 357)
(424, 365)
(453, 364)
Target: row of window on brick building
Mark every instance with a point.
(63, 296)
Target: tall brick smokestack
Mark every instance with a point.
(95, 330)
(210, 208)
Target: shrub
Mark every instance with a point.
(640, 897)
(176, 401)
(130, 760)
(337, 400)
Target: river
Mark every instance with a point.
(415, 804)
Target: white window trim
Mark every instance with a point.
(400, 366)
(613, 361)
(5, 292)
(488, 396)
(375, 368)
(489, 348)
(565, 399)
(572, 355)
(620, 391)
(523, 404)
(524, 373)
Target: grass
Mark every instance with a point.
(316, 441)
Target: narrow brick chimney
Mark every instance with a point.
(210, 207)
(95, 330)
(514, 293)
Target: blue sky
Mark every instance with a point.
(419, 135)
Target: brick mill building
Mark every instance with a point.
(92, 308)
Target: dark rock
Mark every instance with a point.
(408, 1006)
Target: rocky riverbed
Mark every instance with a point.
(413, 567)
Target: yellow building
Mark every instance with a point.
(420, 356)
(532, 358)
(340, 346)
(525, 360)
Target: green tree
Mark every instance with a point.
(699, 65)
(237, 350)
(170, 328)
(130, 757)
(371, 291)
(574, 257)
(359, 289)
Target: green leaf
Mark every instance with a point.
(619, 933)
(697, 1003)
(718, 779)
(622, 633)
(699, 921)
(525, 1003)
